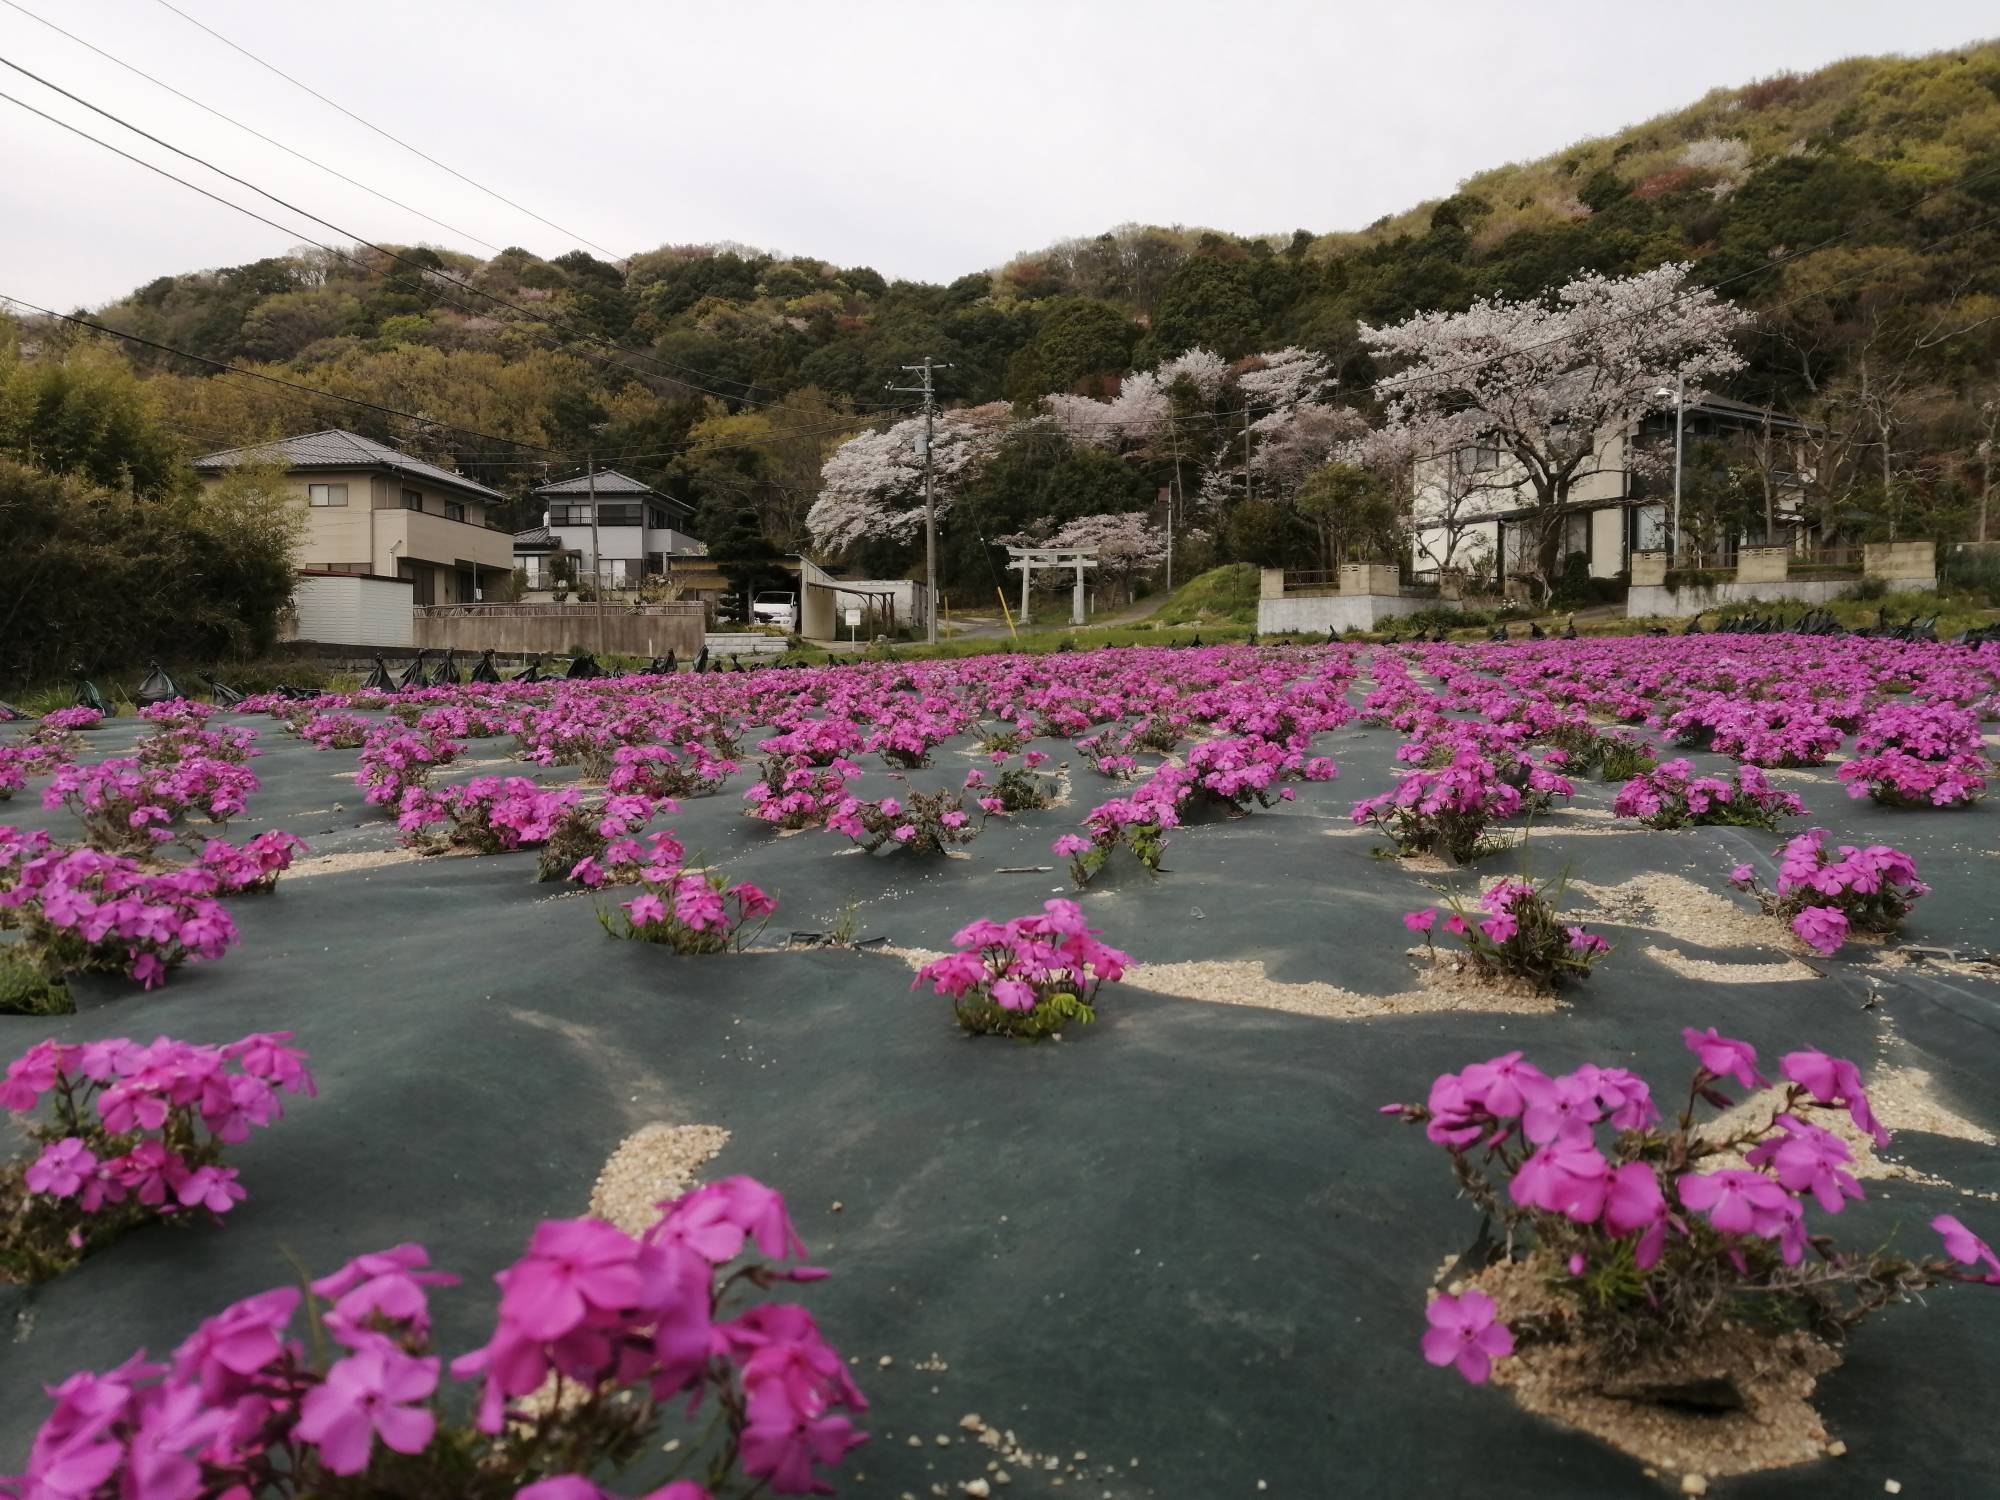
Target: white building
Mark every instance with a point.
(637, 531)
(1620, 506)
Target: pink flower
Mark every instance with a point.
(1836, 1081)
(1420, 921)
(1965, 1247)
(1462, 1333)
(1070, 845)
(1742, 875)
(1012, 994)
(646, 909)
(1821, 928)
(1636, 1202)
(1566, 1177)
(1455, 925)
(1725, 1057)
(572, 1265)
(366, 1395)
(61, 1168)
(1731, 1198)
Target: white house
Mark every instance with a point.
(1620, 505)
(637, 531)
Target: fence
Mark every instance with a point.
(643, 630)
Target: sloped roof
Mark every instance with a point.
(608, 482)
(337, 448)
(535, 538)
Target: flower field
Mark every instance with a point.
(1050, 1006)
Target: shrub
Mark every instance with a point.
(1448, 808)
(137, 1134)
(78, 717)
(177, 741)
(1026, 978)
(1235, 771)
(1824, 898)
(1597, 1212)
(1672, 796)
(1518, 933)
(598, 1336)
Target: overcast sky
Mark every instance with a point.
(925, 139)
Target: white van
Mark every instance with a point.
(773, 607)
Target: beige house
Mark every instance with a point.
(374, 511)
(1476, 507)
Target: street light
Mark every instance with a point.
(1679, 395)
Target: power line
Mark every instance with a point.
(397, 140)
(427, 270)
(250, 129)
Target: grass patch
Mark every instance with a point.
(26, 991)
(1222, 596)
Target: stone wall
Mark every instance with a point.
(1905, 563)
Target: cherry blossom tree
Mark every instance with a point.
(872, 488)
(1128, 544)
(1547, 379)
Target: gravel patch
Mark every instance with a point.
(1447, 987)
(1677, 907)
(654, 1163)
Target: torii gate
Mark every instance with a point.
(1027, 559)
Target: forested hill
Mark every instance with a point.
(695, 361)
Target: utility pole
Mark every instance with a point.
(929, 393)
(596, 553)
(1249, 474)
(1173, 495)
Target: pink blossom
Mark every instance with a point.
(367, 1395)
(1725, 1057)
(1463, 1333)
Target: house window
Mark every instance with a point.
(326, 494)
(656, 564)
(656, 518)
(454, 511)
(413, 500)
(1479, 458)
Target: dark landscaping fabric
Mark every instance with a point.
(1182, 1235)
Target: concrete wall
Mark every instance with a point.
(353, 610)
(554, 629)
(1912, 564)
(1763, 564)
(1373, 579)
(728, 643)
(1317, 613)
(1649, 570)
(1678, 604)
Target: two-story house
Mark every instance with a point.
(373, 510)
(1475, 508)
(636, 534)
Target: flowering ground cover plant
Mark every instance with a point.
(1138, 823)
(83, 909)
(1896, 779)
(1655, 1233)
(1236, 771)
(394, 759)
(488, 815)
(1013, 789)
(36, 756)
(1621, 755)
(1517, 932)
(335, 731)
(1448, 809)
(133, 1133)
(78, 717)
(690, 769)
(691, 911)
(1672, 796)
(1826, 898)
(599, 1337)
(176, 741)
(252, 868)
(126, 807)
(921, 822)
(1026, 978)
(794, 793)
(583, 833)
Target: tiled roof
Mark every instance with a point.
(535, 536)
(337, 448)
(608, 482)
